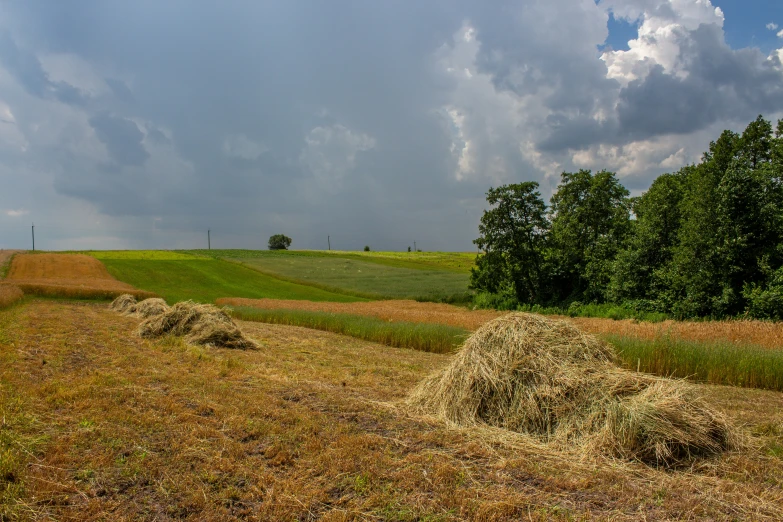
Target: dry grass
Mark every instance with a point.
(199, 323)
(67, 275)
(546, 378)
(149, 308)
(126, 304)
(9, 295)
(99, 424)
(760, 333)
(391, 310)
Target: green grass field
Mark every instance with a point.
(459, 262)
(181, 276)
(366, 279)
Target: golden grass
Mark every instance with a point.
(760, 333)
(98, 424)
(9, 295)
(391, 310)
(66, 275)
(546, 378)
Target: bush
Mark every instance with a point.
(366, 248)
(279, 242)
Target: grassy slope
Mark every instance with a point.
(303, 429)
(368, 278)
(205, 280)
(458, 262)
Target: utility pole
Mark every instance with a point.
(33, 237)
(414, 247)
(329, 242)
(209, 242)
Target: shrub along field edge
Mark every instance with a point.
(426, 337)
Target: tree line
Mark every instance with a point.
(705, 241)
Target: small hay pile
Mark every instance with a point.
(547, 379)
(199, 323)
(149, 308)
(123, 303)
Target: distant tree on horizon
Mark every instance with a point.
(279, 242)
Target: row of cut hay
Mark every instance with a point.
(199, 323)
(547, 379)
(10, 294)
(126, 304)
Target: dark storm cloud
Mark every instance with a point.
(28, 71)
(314, 118)
(122, 138)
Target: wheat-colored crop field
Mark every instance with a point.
(66, 275)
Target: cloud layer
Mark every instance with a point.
(142, 124)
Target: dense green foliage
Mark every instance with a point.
(426, 337)
(279, 242)
(204, 280)
(715, 363)
(706, 241)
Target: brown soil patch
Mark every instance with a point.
(66, 275)
(760, 333)
(99, 424)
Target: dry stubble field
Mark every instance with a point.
(98, 424)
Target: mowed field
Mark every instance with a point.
(432, 276)
(180, 276)
(98, 424)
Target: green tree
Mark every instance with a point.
(279, 242)
(513, 239)
(590, 216)
(638, 277)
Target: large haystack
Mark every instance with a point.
(546, 378)
(123, 303)
(200, 323)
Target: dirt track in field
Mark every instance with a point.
(66, 275)
(760, 333)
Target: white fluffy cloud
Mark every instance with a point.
(772, 26)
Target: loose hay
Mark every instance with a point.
(123, 303)
(149, 308)
(545, 378)
(199, 323)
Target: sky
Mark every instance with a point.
(144, 124)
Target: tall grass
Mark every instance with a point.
(426, 337)
(726, 363)
(77, 292)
